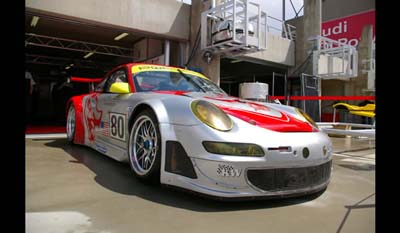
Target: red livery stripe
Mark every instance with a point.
(333, 97)
(286, 123)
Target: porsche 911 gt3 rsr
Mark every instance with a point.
(176, 127)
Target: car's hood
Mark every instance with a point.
(260, 114)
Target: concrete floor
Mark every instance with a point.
(74, 189)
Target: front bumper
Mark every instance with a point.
(276, 174)
(241, 181)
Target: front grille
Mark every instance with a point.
(284, 179)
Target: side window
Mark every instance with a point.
(100, 86)
(117, 76)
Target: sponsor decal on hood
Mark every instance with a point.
(260, 115)
(252, 112)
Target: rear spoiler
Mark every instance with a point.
(85, 80)
(90, 81)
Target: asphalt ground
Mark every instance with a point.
(74, 189)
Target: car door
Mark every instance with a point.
(112, 129)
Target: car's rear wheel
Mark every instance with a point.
(71, 123)
(145, 147)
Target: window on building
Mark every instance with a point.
(189, 2)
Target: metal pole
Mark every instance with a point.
(334, 115)
(285, 90)
(303, 90)
(319, 94)
(283, 10)
(246, 17)
(273, 83)
(167, 52)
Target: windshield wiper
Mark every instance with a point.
(190, 80)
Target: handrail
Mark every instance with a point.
(287, 30)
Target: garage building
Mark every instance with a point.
(66, 39)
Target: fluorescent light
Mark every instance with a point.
(67, 67)
(88, 55)
(121, 36)
(236, 61)
(71, 64)
(34, 21)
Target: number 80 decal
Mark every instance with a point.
(117, 126)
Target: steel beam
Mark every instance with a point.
(58, 61)
(74, 45)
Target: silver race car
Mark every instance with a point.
(176, 127)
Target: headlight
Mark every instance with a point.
(211, 115)
(305, 117)
(231, 148)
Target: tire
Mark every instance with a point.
(71, 124)
(144, 149)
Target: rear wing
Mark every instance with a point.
(85, 80)
(90, 81)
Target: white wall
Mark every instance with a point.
(166, 18)
(279, 50)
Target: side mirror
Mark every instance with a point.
(120, 88)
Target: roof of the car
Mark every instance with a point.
(155, 67)
(140, 67)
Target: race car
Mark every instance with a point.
(176, 127)
(367, 110)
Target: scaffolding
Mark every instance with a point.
(333, 59)
(234, 28)
(285, 30)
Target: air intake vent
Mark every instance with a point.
(177, 160)
(284, 179)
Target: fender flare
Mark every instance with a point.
(79, 137)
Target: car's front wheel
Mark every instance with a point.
(71, 124)
(145, 147)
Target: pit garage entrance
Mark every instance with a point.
(237, 71)
(58, 48)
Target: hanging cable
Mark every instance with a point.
(195, 46)
(305, 63)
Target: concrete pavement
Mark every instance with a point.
(72, 188)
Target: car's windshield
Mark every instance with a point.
(173, 81)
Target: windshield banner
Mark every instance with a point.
(142, 68)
